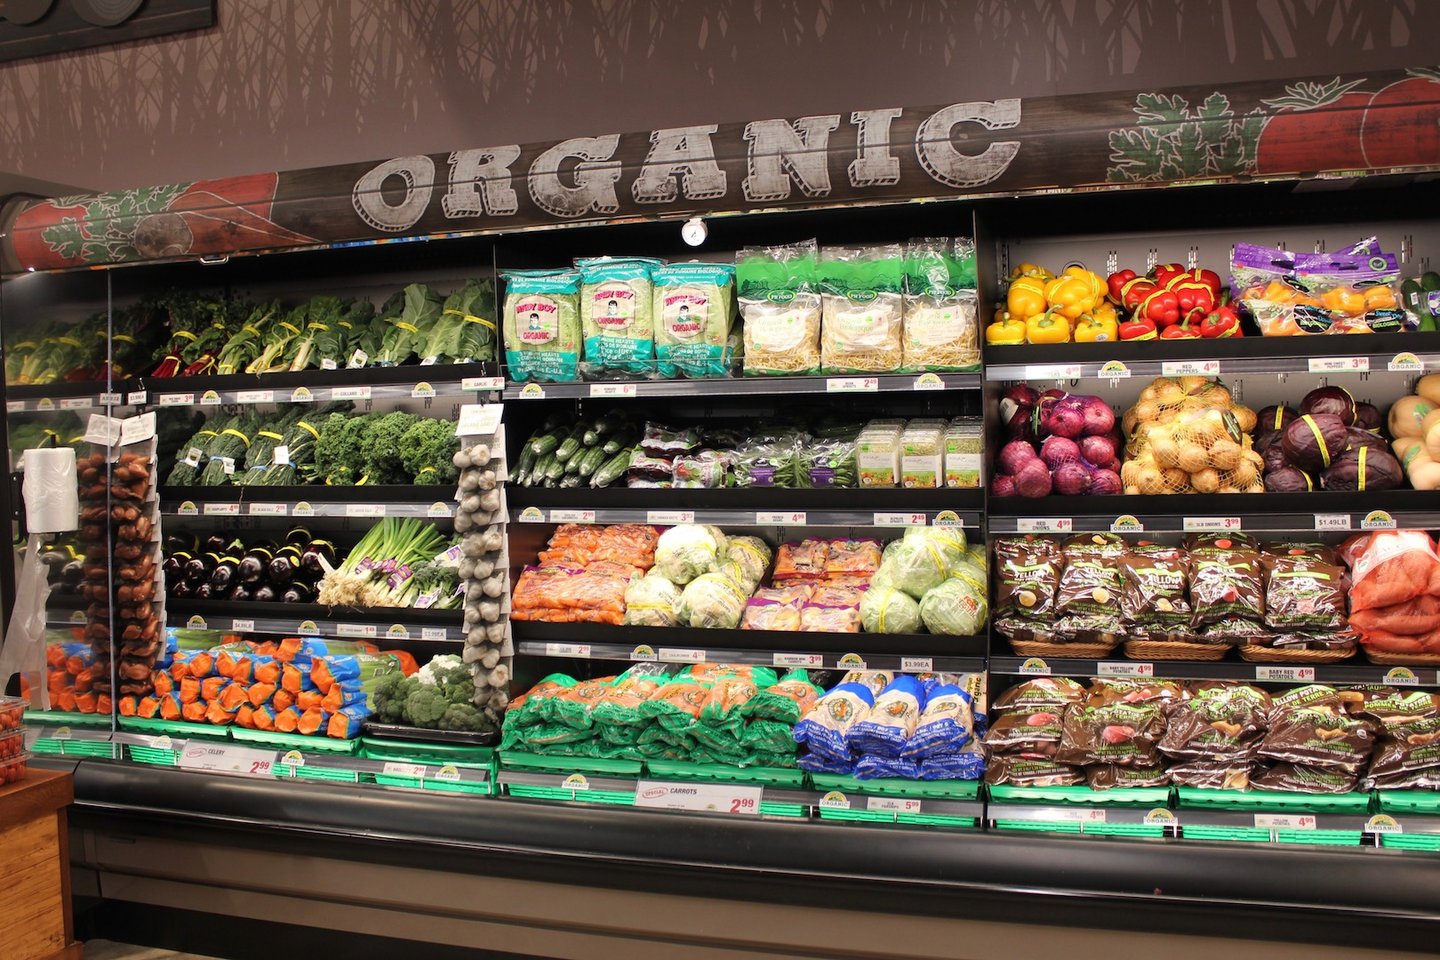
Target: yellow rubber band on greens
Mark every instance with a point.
(308, 429)
(236, 433)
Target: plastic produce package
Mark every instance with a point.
(542, 324)
(616, 316)
(711, 600)
(889, 724)
(650, 601)
(941, 327)
(779, 296)
(956, 607)
(888, 610)
(694, 309)
(686, 551)
(863, 309)
(825, 729)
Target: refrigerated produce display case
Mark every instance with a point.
(474, 588)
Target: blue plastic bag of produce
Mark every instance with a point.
(870, 767)
(826, 728)
(885, 730)
(945, 726)
(960, 766)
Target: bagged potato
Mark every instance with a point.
(616, 304)
(542, 324)
(694, 310)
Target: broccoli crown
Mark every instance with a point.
(380, 448)
(465, 716)
(427, 448)
(389, 696)
(457, 684)
(425, 706)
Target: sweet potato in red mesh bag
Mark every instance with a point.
(1394, 566)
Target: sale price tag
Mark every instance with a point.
(669, 518)
(899, 520)
(1285, 821)
(1210, 524)
(74, 403)
(364, 509)
(356, 630)
(572, 516)
(567, 650)
(1332, 521)
(799, 660)
(893, 804)
(410, 771)
(1339, 364)
(1190, 368)
(228, 759)
(765, 518)
(1286, 674)
(706, 797)
(1045, 524)
(1124, 668)
(612, 389)
(852, 384)
(672, 655)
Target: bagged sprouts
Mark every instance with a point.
(780, 304)
(862, 309)
(942, 331)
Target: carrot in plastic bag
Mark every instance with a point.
(321, 676)
(346, 724)
(128, 706)
(292, 679)
(210, 687)
(218, 715)
(309, 700)
(287, 720)
(241, 670)
(202, 664)
(311, 722)
(103, 704)
(408, 665)
(263, 717)
(70, 703)
(194, 711)
(245, 717)
(180, 669)
(266, 649)
(164, 683)
(233, 697)
(288, 648)
(147, 708)
(74, 665)
(283, 700)
(261, 693)
(266, 670)
(340, 697)
(189, 690)
(225, 664)
(170, 707)
(55, 655)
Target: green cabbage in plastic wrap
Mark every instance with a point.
(688, 550)
(976, 555)
(954, 608)
(922, 560)
(887, 610)
(650, 601)
(713, 601)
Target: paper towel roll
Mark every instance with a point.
(52, 501)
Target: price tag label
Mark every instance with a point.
(14, 406)
(103, 430)
(1045, 524)
(799, 660)
(1339, 364)
(672, 655)
(1190, 368)
(899, 520)
(268, 509)
(765, 518)
(1081, 815)
(705, 797)
(432, 633)
(917, 664)
(255, 396)
(852, 384)
(1285, 821)
(74, 403)
(229, 759)
(136, 429)
(364, 509)
(612, 389)
(567, 650)
(281, 455)
(410, 771)
(1332, 521)
(669, 518)
(221, 509)
(1124, 668)
(1054, 371)
(242, 626)
(572, 516)
(137, 397)
(350, 393)
(176, 400)
(111, 399)
(893, 804)
(479, 419)
(1210, 524)
(356, 630)
(1286, 674)
(482, 383)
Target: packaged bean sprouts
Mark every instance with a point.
(941, 326)
(863, 309)
(780, 305)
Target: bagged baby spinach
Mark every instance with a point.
(542, 324)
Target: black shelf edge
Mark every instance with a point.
(750, 498)
(717, 641)
(312, 493)
(1357, 670)
(742, 386)
(1243, 348)
(1268, 510)
(178, 610)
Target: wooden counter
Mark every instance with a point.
(35, 920)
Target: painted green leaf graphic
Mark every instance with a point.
(1172, 141)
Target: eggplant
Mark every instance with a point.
(284, 567)
(311, 559)
(180, 589)
(225, 575)
(174, 565)
(298, 593)
(242, 592)
(215, 543)
(254, 564)
(198, 569)
(203, 592)
(54, 558)
(72, 573)
(300, 536)
(265, 594)
(180, 543)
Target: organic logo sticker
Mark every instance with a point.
(643, 652)
(301, 395)
(398, 631)
(307, 626)
(1382, 823)
(294, 758)
(1035, 666)
(948, 518)
(1402, 676)
(852, 660)
(196, 622)
(1378, 520)
(1160, 817)
(422, 390)
(532, 515)
(1405, 362)
(1115, 370)
(532, 391)
(1127, 523)
(576, 781)
(835, 800)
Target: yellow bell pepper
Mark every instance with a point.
(1095, 282)
(1097, 327)
(1006, 330)
(1026, 298)
(1070, 295)
(1030, 270)
(1048, 327)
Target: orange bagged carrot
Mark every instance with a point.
(164, 683)
(245, 717)
(261, 693)
(74, 665)
(266, 649)
(210, 687)
(218, 715)
(346, 724)
(283, 700)
(189, 689)
(311, 722)
(148, 708)
(288, 648)
(202, 664)
(179, 670)
(291, 678)
(408, 665)
(69, 702)
(225, 664)
(128, 706)
(85, 679)
(263, 717)
(103, 704)
(265, 670)
(55, 656)
(287, 720)
(170, 708)
(309, 700)
(233, 697)
(320, 675)
(194, 711)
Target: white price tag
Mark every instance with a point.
(799, 660)
(917, 664)
(673, 655)
(228, 465)
(137, 397)
(852, 384)
(1285, 821)
(350, 393)
(111, 399)
(479, 419)
(893, 804)
(221, 509)
(364, 509)
(208, 756)
(103, 430)
(281, 455)
(255, 396)
(572, 516)
(137, 429)
(765, 518)
(356, 630)
(612, 389)
(567, 650)
(74, 403)
(1124, 668)
(1054, 371)
(1339, 364)
(1080, 814)
(706, 797)
(669, 518)
(242, 626)
(432, 633)
(268, 509)
(1190, 368)
(177, 400)
(1210, 524)
(899, 520)
(14, 406)
(482, 383)
(410, 771)
(1286, 674)
(1332, 521)
(1045, 524)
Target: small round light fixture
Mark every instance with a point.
(694, 231)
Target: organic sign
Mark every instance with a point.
(969, 148)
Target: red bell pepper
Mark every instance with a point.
(1180, 331)
(1220, 323)
(1116, 283)
(1161, 307)
(1137, 328)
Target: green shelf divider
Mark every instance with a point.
(1039, 826)
(722, 773)
(892, 787)
(1410, 801)
(548, 764)
(478, 788)
(295, 741)
(1084, 796)
(65, 747)
(61, 718)
(178, 729)
(1328, 838)
(910, 819)
(529, 792)
(1428, 842)
(412, 751)
(1197, 798)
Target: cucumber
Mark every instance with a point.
(612, 470)
(571, 444)
(592, 437)
(547, 442)
(555, 469)
(623, 440)
(572, 466)
(541, 469)
(590, 461)
(526, 464)
(570, 481)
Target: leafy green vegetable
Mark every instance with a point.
(427, 449)
(380, 448)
